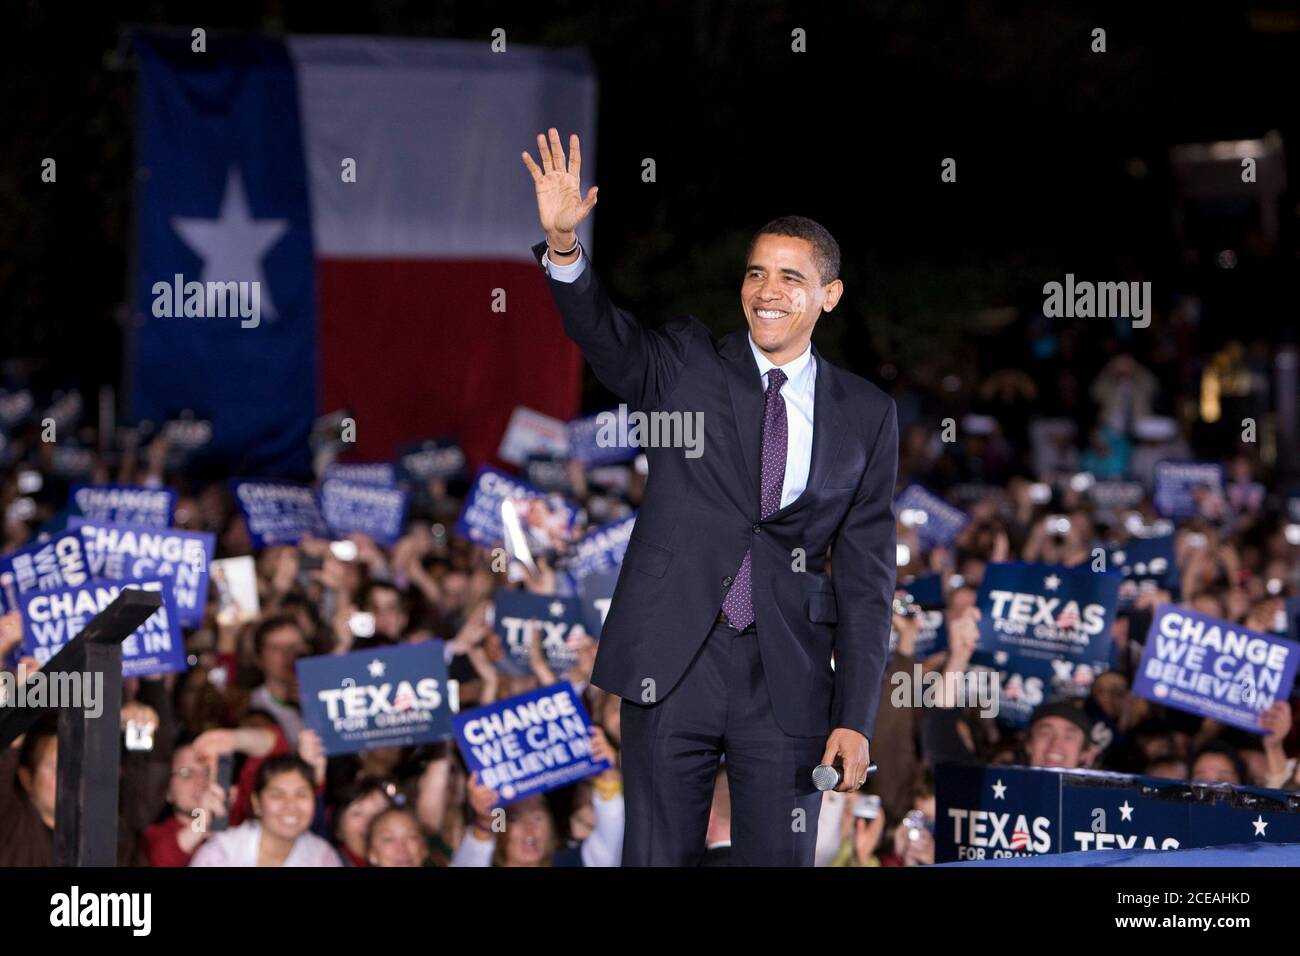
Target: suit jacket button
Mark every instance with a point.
(726, 582)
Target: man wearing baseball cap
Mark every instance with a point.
(1060, 736)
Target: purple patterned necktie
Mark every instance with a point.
(739, 602)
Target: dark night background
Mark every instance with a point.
(1062, 158)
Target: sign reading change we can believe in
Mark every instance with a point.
(1047, 629)
(1213, 668)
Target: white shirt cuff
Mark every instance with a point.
(561, 272)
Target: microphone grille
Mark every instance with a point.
(825, 777)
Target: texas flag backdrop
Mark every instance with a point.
(376, 295)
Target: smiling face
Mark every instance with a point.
(355, 819)
(1056, 742)
(286, 805)
(528, 833)
(397, 841)
(782, 296)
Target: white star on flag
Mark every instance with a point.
(556, 609)
(233, 245)
(1051, 582)
(1259, 825)
(1125, 811)
(376, 668)
(999, 789)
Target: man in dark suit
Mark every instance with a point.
(720, 635)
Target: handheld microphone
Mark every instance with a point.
(827, 777)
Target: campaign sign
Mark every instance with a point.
(532, 433)
(1213, 668)
(57, 563)
(52, 618)
(384, 697)
(600, 550)
(601, 439)
(556, 621)
(427, 460)
(480, 518)
(1047, 629)
(596, 591)
(121, 552)
(927, 593)
(381, 473)
(936, 522)
(1178, 484)
(1147, 564)
(125, 504)
(988, 812)
(279, 512)
(369, 509)
(529, 744)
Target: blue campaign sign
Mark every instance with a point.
(427, 460)
(601, 549)
(1146, 564)
(596, 591)
(52, 618)
(529, 744)
(927, 593)
(556, 621)
(381, 473)
(602, 439)
(385, 697)
(125, 504)
(1047, 629)
(1098, 815)
(988, 812)
(480, 518)
(369, 509)
(1214, 668)
(1178, 485)
(49, 565)
(936, 522)
(993, 812)
(279, 512)
(122, 552)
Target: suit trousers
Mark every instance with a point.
(671, 751)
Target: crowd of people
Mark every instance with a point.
(291, 805)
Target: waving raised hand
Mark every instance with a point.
(560, 204)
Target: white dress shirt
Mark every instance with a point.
(798, 391)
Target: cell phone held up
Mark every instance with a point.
(225, 778)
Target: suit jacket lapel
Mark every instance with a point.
(746, 388)
(828, 431)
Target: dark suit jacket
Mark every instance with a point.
(699, 515)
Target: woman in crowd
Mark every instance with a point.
(284, 801)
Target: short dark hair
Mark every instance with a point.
(282, 763)
(826, 251)
(275, 622)
(1223, 749)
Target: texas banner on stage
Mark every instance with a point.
(987, 813)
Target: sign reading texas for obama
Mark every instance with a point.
(557, 622)
(389, 697)
(121, 552)
(1044, 626)
(52, 618)
(1213, 668)
(529, 744)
